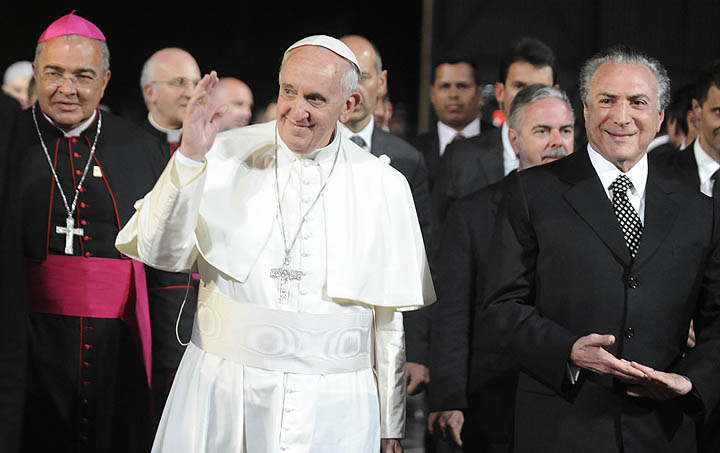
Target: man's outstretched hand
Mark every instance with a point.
(588, 353)
(202, 120)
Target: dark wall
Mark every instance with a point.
(681, 34)
(247, 45)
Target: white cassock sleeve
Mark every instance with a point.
(161, 232)
(390, 369)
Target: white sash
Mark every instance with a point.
(279, 340)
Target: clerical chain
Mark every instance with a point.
(69, 229)
(285, 273)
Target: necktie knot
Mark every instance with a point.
(358, 141)
(458, 136)
(620, 185)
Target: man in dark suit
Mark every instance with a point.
(456, 96)
(541, 131)
(593, 297)
(469, 165)
(361, 129)
(697, 165)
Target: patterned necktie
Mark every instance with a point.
(626, 214)
(458, 136)
(716, 186)
(359, 141)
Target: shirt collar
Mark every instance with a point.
(707, 166)
(607, 172)
(77, 130)
(447, 133)
(173, 135)
(510, 159)
(365, 133)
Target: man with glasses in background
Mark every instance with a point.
(167, 81)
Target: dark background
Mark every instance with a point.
(247, 39)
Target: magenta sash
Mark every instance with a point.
(94, 288)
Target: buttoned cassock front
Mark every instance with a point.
(361, 251)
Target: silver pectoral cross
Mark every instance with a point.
(285, 274)
(69, 230)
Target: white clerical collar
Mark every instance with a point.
(510, 159)
(607, 172)
(365, 133)
(173, 135)
(446, 134)
(707, 166)
(321, 156)
(77, 130)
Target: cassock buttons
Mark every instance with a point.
(87, 347)
(88, 254)
(83, 205)
(74, 140)
(629, 332)
(83, 222)
(76, 155)
(78, 172)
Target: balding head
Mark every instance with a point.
(168, 79)
(373, 80)
(239, 99)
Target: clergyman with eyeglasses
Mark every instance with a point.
(167, 80)
(80, 171)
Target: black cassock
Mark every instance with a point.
(87, 386)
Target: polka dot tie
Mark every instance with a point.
(359, 141)
(626, 214)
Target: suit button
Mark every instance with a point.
(629, 332)
(632, 282)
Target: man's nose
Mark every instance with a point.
(620, 113)
(67, 86)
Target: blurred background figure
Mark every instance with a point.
(167, 80)
(239, 99)
(17, 80)
(269, 113)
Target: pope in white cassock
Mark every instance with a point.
(308, 250)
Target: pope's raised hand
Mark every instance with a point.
(202, 120)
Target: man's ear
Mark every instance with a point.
(350, 105)
(499, 93)
(514, 138)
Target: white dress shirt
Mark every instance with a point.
(446, 134)
(510, 159)
(707, 166)
(365, 133)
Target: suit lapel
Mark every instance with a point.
(660, 215)
(491, 158)
(588, 198)
(376, 147)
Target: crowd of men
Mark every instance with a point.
(195, 283)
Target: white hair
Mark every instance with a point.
(349, 80)
(18, 69)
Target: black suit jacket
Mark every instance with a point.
(405, 159)
(429, 145)
(685, 164)
(560, 270)
(467, 166)
(460, 261)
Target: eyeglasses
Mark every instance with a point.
(55, 79)
(179, 82)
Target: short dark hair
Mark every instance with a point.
(529, 50)
(454, 58)
(709, 75)
(680, 104)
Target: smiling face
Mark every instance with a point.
(709, 115)
(69, 103)
(311, 98)
(621, 114)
